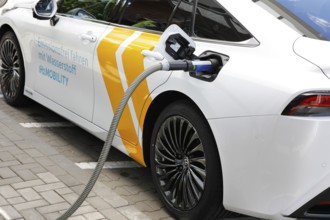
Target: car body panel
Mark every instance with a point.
(282, 165)
(260, 79)
(315, 51)
(120, 60)
(65, 60)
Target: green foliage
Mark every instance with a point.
(94, 7)
(146, 24)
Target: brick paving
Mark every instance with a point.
(38, 182)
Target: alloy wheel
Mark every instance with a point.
(180, 163)
(9, 69)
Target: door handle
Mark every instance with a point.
(89, 37)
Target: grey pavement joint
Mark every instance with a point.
(72, 197)
(16, 200)
(8, 192)
(32, 214)
(5, 172)
(51, 186)
(10, 181)
(30, 204)
(131, 212)
(27, 184)
(10, 212)
(52, 197)
(5, 156)
(54, 208)
(48, 177)
(26, 175)
(9, 163)
(23, 158)
(3, 201)
(94, 216)
(29, 194)
(63, 191)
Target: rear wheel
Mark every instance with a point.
(11, 70)
(185, 164)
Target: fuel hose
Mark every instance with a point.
(185, 65)
(107, 144)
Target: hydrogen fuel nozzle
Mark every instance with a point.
(175, 50)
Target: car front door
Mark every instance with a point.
(65, 56)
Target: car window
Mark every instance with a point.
(149, 14)
(311, 18)
(214, 22)
(182, 15)
(86, 9)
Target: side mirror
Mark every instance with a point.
(2, 3)
(46, 10)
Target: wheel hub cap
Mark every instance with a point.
(9, 69)
(180, 163)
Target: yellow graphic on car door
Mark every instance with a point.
(121, 62)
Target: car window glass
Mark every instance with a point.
(86, 9)
(114, 10)
(149, 14)
(182, 14)
(214, 22)
(311, 18)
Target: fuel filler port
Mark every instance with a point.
(219, 59)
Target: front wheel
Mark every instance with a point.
(11, 70)
(185, 163)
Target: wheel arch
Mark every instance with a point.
(19, 99)
(7, 27)
(157, 105)
(4, 28)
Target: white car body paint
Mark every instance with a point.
(315, 51)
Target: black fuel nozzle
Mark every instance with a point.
(178, 47)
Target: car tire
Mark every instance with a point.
(185, 164)
(12, 73)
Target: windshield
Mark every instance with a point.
(312, 15)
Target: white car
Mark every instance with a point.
(251, 137)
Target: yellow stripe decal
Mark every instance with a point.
(132, 62)
(133, 66)
(108, 63)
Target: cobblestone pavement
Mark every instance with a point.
(39, 178)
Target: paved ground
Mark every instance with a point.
(39, 178)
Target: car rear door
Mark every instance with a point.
(65, 56)
(136, 28)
